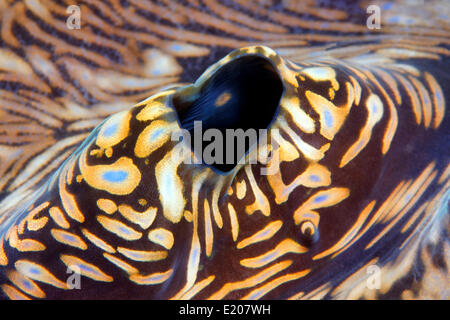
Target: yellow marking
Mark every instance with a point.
(233, 221)
(36, 224)
(349, 237)
(315, 175)
(374, 108)
(263, 290)
(29, 245)
(408, 199)
(118, 228)
(322, 74)
(143, 219)
(408, 194)
(107, 205)
(301, 119)
(37, 210)
(392, 84)
(188, 215)
(306, 149)
(444, 176)
(223, 99)
(438, 99)
(69, 239)
(284, 247)
(13, 237)
(199, 286)
(3, 257)
(97, 241)
(25, 284)
(286, 151)
(25, 245)
(320, 199)
(152, 279)
(69, 202)
(118, 178)
(430, 208)
(121, 264)
(331, 117)
(230, 191)
(331, 93)
(21, 226)
(114, 130)
(86, 269)
(215, 207)
(251, 281)
(387, 205)
(209, 236)
(297, 296)
(142, 202)
(266, 233)
(153, 110)
(261, 203)
(195, 250)
(153, 137)
(13, 293)
(241, 189)
(97, 153)
(170, 186)
(57, 215)
(308, 227)
(392, 124)
(425, 101)
(161, 236)
(109, 152)
(143, 256)
(79, 178)
(39, 273)
(411, 92)
(414, 217)
(289, 75)
(356, 89)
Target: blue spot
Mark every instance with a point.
(176, 47)
(321, 198)
(110, 130)
(115, 176)
(34, 271)
(27, 284)
(155, 134)
(85, 268)
(328, 118)
(374, 107)
(387, 6)
(394, 19)
(269, 257)
(314, 178)
(69, 238)
(124, 230)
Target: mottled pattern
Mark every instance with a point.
(88, 182)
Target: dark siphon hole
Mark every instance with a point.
(243, 94)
